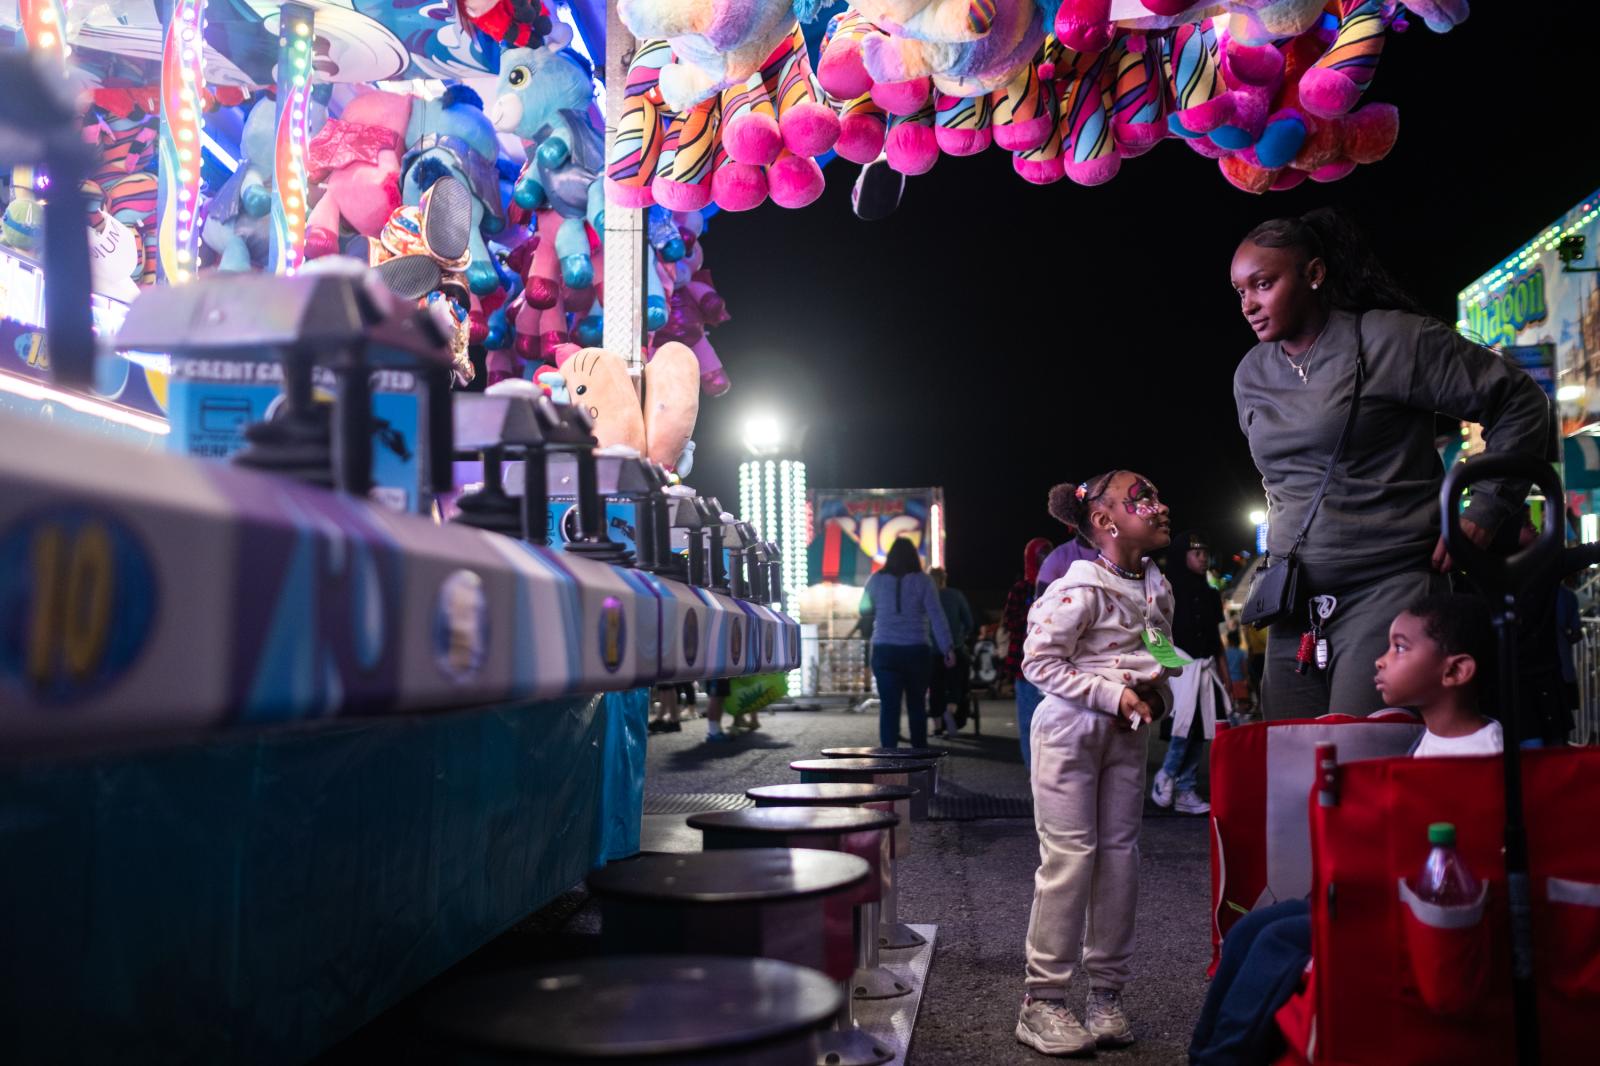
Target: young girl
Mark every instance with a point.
(1099, 647)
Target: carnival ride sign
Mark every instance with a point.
(1529, 300)
(852, 530)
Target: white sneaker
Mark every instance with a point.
(1161, 789)
(1049, 1027)
(1105, 1019)
(1189, 802)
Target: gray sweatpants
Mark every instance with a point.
(1357, 634)
(1088, 798)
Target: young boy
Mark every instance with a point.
(1437, 662)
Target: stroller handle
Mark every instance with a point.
(1545, 560)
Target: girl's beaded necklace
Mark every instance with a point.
(1131, 575)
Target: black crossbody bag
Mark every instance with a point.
(1274, 592)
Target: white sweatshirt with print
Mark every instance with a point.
(1085, 643)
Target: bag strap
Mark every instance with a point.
(1338, 449)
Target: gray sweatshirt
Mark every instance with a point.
(1381, 512)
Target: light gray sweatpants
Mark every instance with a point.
(1088, 798)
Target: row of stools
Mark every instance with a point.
(753, 950)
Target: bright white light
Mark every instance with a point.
(763, 434)
(1257, 517)
(1589, 528)
(1570, 393)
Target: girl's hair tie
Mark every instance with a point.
(1083, 489)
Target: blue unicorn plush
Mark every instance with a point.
(452, 135)
(543, 97)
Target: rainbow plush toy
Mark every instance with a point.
(1271, 89)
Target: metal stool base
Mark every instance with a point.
(876, 983)
(897, 936)
(851, 1047)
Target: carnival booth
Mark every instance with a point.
(321, 664)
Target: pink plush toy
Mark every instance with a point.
(737, 186)
(1085, 25)
(839, 67)
(1336, 81)
(1023, 117)
(911, 146)
(863, 127)
(357, 158)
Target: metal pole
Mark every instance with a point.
(1524, 996)
(626, 261)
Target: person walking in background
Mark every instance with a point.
(1015, 616)
(904, 604)
(1331, 326)
(1099, 646)
(1203, 685)
(949, 683)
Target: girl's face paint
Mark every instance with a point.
(1142, 501)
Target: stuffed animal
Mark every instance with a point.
(598, 382)
(452, 136)
(356, 159)
(636, 146)
(943, 21)
(715, 44)
(544, 96)
(1336, 81)
(123, 130)
(975, 68)
(671, 403)
(238, 224)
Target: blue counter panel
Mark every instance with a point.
(255, 897)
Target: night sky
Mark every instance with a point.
(995, 337)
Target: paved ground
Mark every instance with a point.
(973, 878)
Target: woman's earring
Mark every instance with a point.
(1314, 284)
(1114, 533)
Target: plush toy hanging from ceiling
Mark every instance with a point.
(1071, 88)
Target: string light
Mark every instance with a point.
(291, 146)
(182, 87)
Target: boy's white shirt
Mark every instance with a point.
(1487, 740)
(1085, 636)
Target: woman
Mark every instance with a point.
(1023, 592)
(903, 602)
(1203, 684)
(1317, 300)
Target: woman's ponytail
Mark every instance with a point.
(1357, 280)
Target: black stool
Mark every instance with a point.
(793, 904)
(853, 831)
(892, 933)
(918, 773)
(662, 1010)
(933, 755)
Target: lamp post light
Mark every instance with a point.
(772, 497)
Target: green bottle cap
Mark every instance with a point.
(1442, 835)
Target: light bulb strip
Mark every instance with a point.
(178, 170)
(291, 185)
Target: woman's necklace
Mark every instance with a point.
(1305, 361)
(1131, 575)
